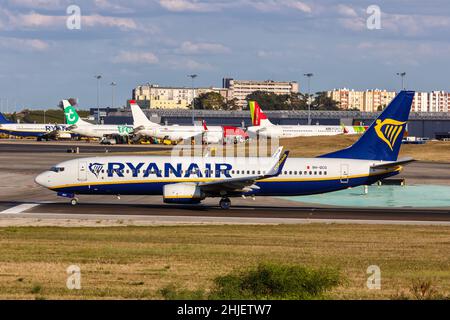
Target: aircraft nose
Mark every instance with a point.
(43, 179)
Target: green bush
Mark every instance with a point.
(37, 288)
(266, 281)
(271, 281)
(171, 292)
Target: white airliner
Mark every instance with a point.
(209, 134)
(86, 129)
(38, 130)
(264, 128)
(192, 179)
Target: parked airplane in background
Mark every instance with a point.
(38, 130)
(263, 127)
(228, 134)
(86, 129)
(212, 134)
(192, 179)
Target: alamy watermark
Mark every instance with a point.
(74, 279)
(373, 22)
(374, 280)
(73, 21)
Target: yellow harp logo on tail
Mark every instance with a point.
(389, 131)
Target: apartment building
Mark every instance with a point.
(156, 97)
(240, 89)
(369, 100)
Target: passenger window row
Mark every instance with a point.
(305, 173)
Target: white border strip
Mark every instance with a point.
(20, 208)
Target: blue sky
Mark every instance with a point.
(162, 41)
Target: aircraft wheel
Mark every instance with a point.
(225, 203)
(74, 201)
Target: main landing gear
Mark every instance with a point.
(74, 201)
(225, 203)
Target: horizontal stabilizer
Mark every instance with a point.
(393, 164)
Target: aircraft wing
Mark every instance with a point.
(51, 134)
(137, 129)
(388, 165)
(247, 184)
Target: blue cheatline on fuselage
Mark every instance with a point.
(267, 188)
(22, 133)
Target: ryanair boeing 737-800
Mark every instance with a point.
(192, 179)
(38, 130)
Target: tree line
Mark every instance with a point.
(269, 101)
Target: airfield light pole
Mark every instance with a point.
(112, 84)
(309, 76)
(193, 76)
(44, 116)
(402, 75)
(98, 77)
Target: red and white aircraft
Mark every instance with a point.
(264, 128)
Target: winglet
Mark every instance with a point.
(204, 125)
(279, 165)
(278, 152)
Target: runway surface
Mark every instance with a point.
(242, 214)
(12, 146)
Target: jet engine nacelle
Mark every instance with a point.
(182, 193)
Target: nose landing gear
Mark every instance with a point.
(225, 203)
(74, 201)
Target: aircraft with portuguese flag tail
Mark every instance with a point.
(261, 126)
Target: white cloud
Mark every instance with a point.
(346, 10)
(112, 6)
(38, 4)
(188, 47)
(278, 5)
(34, 20)
(298, 5)
(265, 54)
(189, 64)
(188, 5)
(404, 52)
(19, 44)
(353, 24)
(136, 57)
(414, 25)
(104, 21)
(410, 25)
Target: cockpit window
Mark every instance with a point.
(57, 169)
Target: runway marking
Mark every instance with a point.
(20, 208)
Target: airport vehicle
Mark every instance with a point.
(38, 130)
(86, 129)
(261, 126)
(210, 135)
(191, 179)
